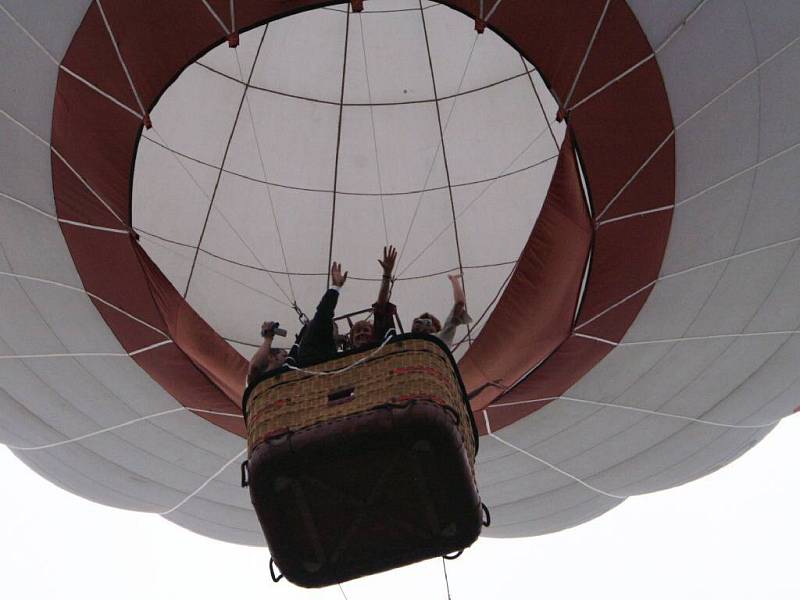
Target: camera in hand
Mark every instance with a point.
(274, 330)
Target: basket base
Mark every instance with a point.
(365, 493)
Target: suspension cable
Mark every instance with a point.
(446, 580)
(338, 141)
(372, 120)
(264, 170)
(446, 165)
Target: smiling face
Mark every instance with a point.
(361, 333)
(426, 323)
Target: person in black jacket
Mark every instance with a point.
(317, 342)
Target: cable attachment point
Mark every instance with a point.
(300, 314)
(561, 115)
(453, 556)
(233, 39)
(148, 124)
(480, 25)
(358, 5)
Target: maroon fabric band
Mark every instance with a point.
(615, 132)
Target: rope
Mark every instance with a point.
(446, 165)
(758, 164)
(120, 426)
(205, 483)
(338, 142)
(539, 100)
(548, 464)
(636, 174)
(683, 272)
(444, 568)
(220, 273)
(700, 110)
(491, 10)
(690, 338)
(264, 172)
(59, 219)
(385, 341)
(86, 292)
(310, 273)
(85, 354)
(219, 177)
(348, 192)
(225, 219)
(479, 196)
(586, 54)
(217, 17)
(121, 60)
(488, 306)
(67, 70)
(649, 57)
(372, 120)
(66, 164)
(438, 148)
(641, 213)
(641, 410)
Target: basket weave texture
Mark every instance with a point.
(399, 372)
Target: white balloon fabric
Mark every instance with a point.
(326, 134)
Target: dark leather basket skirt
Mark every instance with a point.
(367, 470)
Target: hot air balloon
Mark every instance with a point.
(615, 180)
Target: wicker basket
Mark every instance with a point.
(407, 369)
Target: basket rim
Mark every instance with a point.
(395, 339)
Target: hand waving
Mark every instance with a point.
(337, 278)
(389, 258)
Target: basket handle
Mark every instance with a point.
(487, 521)
(245, 475)
(272, 571)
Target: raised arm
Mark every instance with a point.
(260, 361)
(459, 298)
(458, 316)
(389, 258)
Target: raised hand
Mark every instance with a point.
(337, 278)
(459, 299)
(389, 258)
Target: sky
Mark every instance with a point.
(734, 534)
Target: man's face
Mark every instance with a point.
(423, 324)
(276, 358)
(361, 333)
